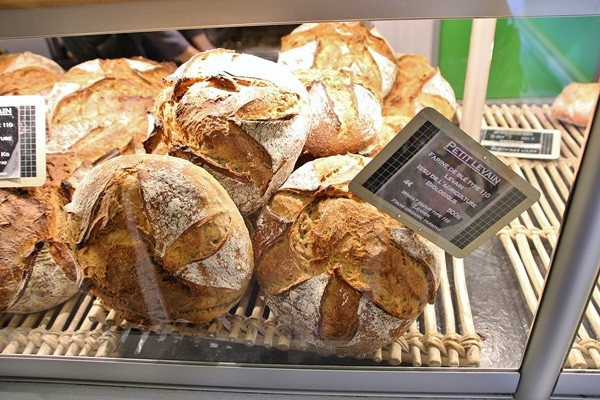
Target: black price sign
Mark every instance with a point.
(438, 181)
(9, 140)
(22, 141)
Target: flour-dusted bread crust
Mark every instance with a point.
(346, 115)
(27, 73)
(101, 106)
(242, 118)
(37, 271)
(158, 239)
(352, 46)
(338, 272)
(575, 103)
(418, 85)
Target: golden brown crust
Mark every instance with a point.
(36, 268)
(418, 85)
(101, 105)
(341, 46)
(575, 103)
(158, 239)
(242, 118)
(346, 116)
(316, 241)
(27, 73)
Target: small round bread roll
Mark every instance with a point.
(101, 106)
(158, 239)
(352, 46)
(36, 267)
(27, 73)
(336, 271)
(241, 117)
(575, 103)
(346, 115)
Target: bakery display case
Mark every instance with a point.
(516, 317)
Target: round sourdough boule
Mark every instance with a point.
(36, 267)
(352, 46)
(101, 106)
(241, 117)
(336, 271)
(28, 73)
(346, 115)
(158, 239)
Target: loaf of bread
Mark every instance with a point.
(157, 239)
(352, 46)
(336, 271)
(36, 267)
(101, 106)
(27, 73)
(575, 103)
(418, 85)
(346, 115)
(242, 118)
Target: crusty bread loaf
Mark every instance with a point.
(336, 271)
(352, 46)
(101, 106)
(36, 267)
(158, 239)
(346, 115)
(242, 118)
(27, 73)
(418, 85)
(575, 103)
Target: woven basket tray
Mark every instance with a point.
(444, 335)
(530, 239)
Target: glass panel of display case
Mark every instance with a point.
(201, 215)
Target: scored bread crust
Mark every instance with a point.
(27, 73)
(346, 114)
(101, 106)
(242, 118)
(367, 276)
(36, 268)
(418, 85)
(158, 239)
(338, 46)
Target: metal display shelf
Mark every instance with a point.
(32, 18)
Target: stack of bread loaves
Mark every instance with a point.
(211, 193)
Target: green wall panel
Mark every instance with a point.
(532, 58)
